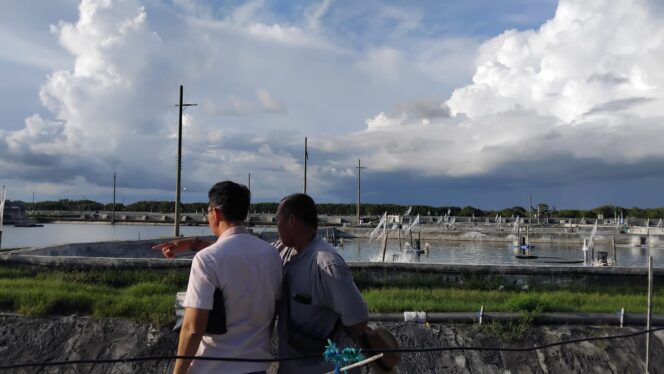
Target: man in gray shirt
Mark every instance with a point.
(320, 300)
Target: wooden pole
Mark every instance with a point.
(399, 236)
(530, 208)
(176, 226)
(113, 213)
(615, 256)
(2, 212)
(178, 185)
(387, 233)
(359, 170)
(649, 316)
(306, 158)
(357, 364)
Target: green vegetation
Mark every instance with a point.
(150, 295)
(133, 294)
(66, 205)
(511, 330)
(468, 300)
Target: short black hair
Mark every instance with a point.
(301, 206)
(234, 199)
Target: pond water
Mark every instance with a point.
(447, 252)
(494, 253)
(62, 233)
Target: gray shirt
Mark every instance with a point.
(321, 291)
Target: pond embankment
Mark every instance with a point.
(44, 339)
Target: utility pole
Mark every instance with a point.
(2, 212)
(530, 208)
(178, 188)
(649, 315)
(113, 214)
(248, 220)
(359, 172)
(306, 158)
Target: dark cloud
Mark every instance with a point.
(621, 104)
(429, 109)
(607, 78)
(610, 184)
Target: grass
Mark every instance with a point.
(467, 300)
(139, 295)
(511, 330)
(149, 296)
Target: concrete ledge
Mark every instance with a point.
(73, 262)
(388, 274)
(501, 269)
(494, 276)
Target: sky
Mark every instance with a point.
(476, 102)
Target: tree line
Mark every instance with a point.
(541, 210)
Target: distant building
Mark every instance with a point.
(14, 212)
(395, 219)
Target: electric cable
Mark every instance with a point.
(282, 359)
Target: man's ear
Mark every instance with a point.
(218, 214)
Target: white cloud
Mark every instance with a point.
(316, 12)
(269, 103)
(583, 88)
(554, 71)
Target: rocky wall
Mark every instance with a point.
(31, 339)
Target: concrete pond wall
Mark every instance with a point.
(137, 254)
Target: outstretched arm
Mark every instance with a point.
(172, 248)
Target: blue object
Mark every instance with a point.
(341, 357)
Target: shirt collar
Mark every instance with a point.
(233, 231)
(309, 248)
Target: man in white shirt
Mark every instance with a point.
(247, 271)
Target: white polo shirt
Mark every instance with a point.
(248, 272)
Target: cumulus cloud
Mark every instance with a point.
(578, 99)
(114, 112)
(590, 53)
(413, 113)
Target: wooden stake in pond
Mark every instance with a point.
(385, 244)
(399, 236)
(615, 257)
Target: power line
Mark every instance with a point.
(281, 359)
